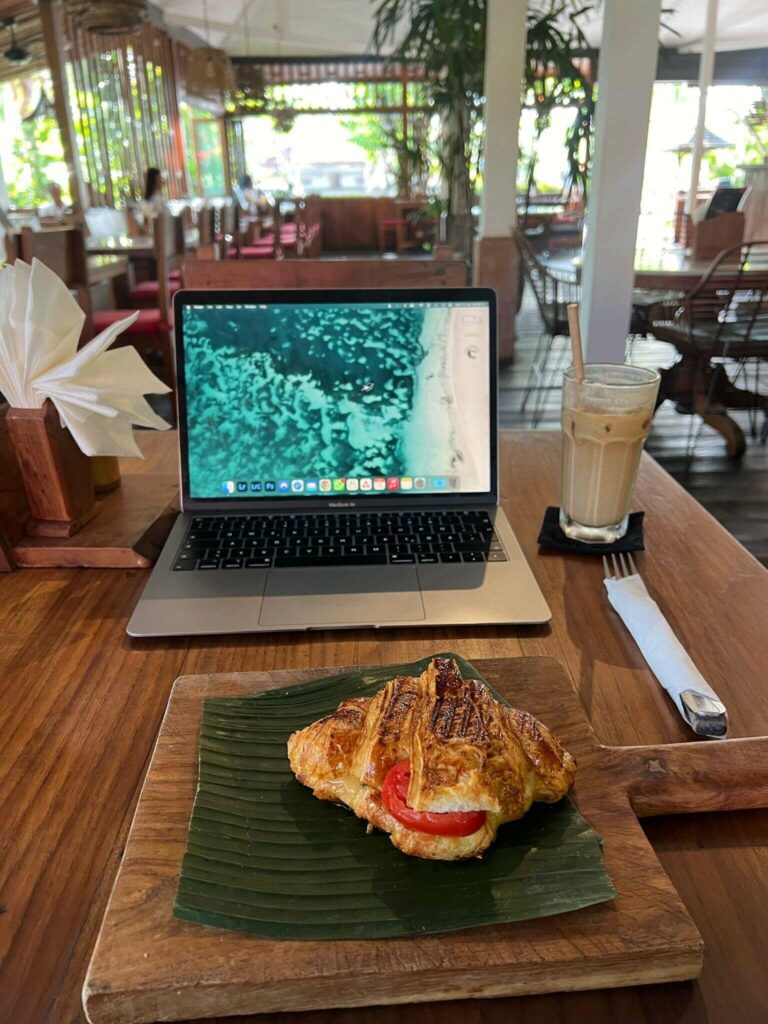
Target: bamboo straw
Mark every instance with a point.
(575, 329)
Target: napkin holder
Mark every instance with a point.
(58, 477)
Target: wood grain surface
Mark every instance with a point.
(80, 706)
(148, 966)
(129, 531)
(332, 273)
(57, 476)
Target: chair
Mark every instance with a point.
(724, 317)
(146, 294)
(553, 295)
(151, 333)
(63, 251)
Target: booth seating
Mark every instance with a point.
(327, 273)
(63, 251)
(151, 333)
(146, 294)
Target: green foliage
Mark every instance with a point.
(448, 36)
(37, 147)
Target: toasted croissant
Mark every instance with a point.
(467, 753)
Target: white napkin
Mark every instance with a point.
(666, 656)
(98, 394)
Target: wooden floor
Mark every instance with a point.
(735, 493)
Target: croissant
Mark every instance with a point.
(436, 762)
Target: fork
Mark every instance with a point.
(699, 705)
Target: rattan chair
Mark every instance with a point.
(721, 325)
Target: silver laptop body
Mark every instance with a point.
(339, 468)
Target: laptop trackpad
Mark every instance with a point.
(346, 596)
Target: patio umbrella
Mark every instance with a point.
(711, 141)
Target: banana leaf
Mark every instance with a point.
(264, 856)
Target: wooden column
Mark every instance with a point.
(53, 37)
(627, 70)
(497, 260)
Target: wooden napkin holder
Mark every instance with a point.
(58, 477)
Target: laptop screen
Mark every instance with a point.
(323, 399)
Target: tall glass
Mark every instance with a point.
(606, 419)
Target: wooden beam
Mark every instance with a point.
(53, 37)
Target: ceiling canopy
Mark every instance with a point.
(294, 28)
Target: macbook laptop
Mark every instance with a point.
(338, 466)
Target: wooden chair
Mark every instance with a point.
(553, 294)
(146, 295)
(151, 333)
(361, 273)
(63, 251)
(724, 318)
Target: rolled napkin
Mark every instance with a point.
(696, 701)
(98, 394)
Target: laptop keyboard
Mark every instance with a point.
(357, 538)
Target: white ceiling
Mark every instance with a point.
(290, 28)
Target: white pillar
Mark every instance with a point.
(706, 67)
(626, 72)
(506, 30)
(497, 260)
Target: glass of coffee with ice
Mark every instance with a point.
(606, 419)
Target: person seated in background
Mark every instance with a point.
(57, 209)
(246, 195)
(152, 202)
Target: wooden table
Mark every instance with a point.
(106, 268)
(657, 268)
(133, 246)
(80, 705)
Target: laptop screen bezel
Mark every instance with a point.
(338, 296)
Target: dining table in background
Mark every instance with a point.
(667, 268)
(81, 704)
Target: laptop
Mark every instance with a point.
(338, 466)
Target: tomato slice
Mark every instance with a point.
(394, 794)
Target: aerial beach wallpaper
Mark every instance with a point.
(287, 391)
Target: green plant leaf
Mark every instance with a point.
(264, 856)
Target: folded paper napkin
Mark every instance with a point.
(98, 394)
(666, 656)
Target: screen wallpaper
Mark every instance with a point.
(301, 400)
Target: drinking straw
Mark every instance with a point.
(575, 329)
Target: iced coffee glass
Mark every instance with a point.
(606, 419)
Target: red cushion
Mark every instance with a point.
(151, 290)
(148, 322)
(257, 252)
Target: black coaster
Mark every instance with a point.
(551, 536)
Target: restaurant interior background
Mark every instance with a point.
(602, 165)
(348, 122)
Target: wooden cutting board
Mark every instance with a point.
(149, 966)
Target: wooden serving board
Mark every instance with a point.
(149, 966)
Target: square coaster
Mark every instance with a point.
(551, 536)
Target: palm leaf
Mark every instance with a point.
(264, 856)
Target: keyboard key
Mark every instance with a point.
(184, 566)
(258, 563)
(208, 563)
(231, 563)
(450, 556)
(473, 556)
(496, 556)
(428, 558)
(402, 559)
